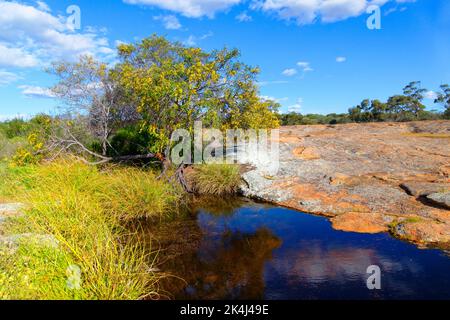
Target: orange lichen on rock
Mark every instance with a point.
(306, 153)
(363, 174)
(361, 222)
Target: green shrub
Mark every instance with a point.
(8, 147)
(15, 128)
(134, 140)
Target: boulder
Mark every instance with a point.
(442, 199)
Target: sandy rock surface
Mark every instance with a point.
(365, 177)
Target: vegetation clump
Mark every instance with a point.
(216, 179)
(83, 208)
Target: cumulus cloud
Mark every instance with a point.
(190, 8)
(341, 59)
(36, 92)
(301, 11)
(16, 57)
(32, 36)
(170, 22)
(310, 11)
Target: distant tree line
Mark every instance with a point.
(398, 108)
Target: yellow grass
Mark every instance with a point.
(83, 208)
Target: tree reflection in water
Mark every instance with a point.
(232, 271)
(230, 266)
(236, 249)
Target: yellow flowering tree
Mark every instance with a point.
(172, 86)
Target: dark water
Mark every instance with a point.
(254, 251)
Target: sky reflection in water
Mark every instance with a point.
(260, 252)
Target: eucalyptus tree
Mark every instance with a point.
(92, 98)
(415, 94)
(443, 97)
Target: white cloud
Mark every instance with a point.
(305, 66)
(297, 108)
(310, 11)
(170, 22)
(41, 5)
(341, 59)
(93, 29)
(431, 95)
(32, 36)
(244, 17)
(289, 72)
(36, 92)
(301, 11)
(7, 77)
(16, 57)
(190, 8)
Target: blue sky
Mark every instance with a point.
(316, 56)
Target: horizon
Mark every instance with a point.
(317, 59)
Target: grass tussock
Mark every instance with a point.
(216, 179)
(84, 209)
(132, 194)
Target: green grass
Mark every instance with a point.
(135, 194)
(216, 179)
(393, 225)
(85, 209)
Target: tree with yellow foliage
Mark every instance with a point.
(172, 86)
(130, 110)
